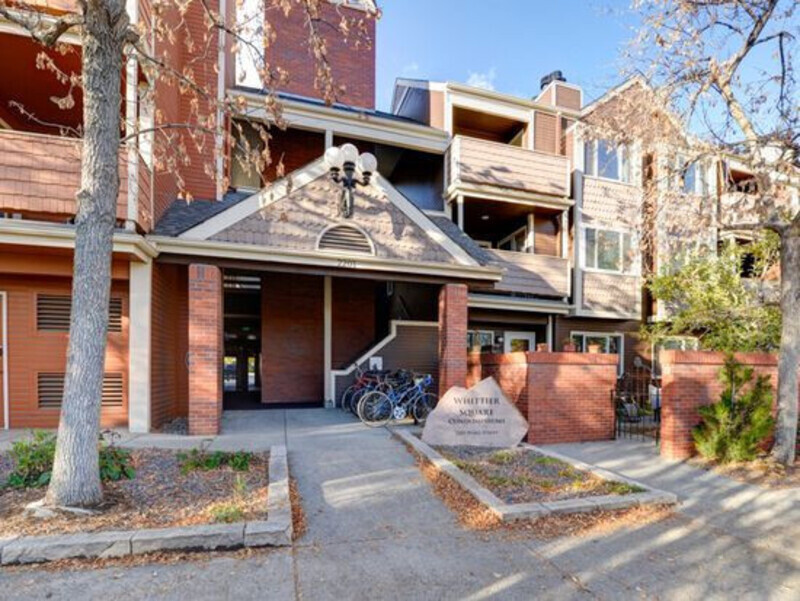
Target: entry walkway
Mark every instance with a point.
(375, 530)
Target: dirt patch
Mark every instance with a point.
(474, 516)
(159, 496)
(762, 472)
(524, 476)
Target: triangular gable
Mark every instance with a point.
(294, 213)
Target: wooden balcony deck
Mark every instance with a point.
(475, 164)
(40, 175)
(527, 273)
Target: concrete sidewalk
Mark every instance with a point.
(769, 518)
(377, 531)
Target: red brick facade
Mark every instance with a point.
(205, 349)
(690, 379)
(352, 60)
(566, 397)
(452, 336)
(292, 367)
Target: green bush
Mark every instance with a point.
(115, 463)
(33, 460)
(201, 459)
(733, 428)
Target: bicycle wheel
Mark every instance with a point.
(375, 409)
(347, 396)
(423, 405)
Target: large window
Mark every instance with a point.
(604, 343)
(691, 177)
(609, 250)
(480, 341)
(607, 160)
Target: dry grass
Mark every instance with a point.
(298, 513)
(474, 516)
(762, 472)
(159, 496)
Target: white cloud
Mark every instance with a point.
(410, 69)
(482, 80)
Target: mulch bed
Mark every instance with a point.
(474, 516)
(159, 496)
(524, 476)
(762, 472)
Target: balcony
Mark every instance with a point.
(40, 175)
(528, 273)
(481, 166)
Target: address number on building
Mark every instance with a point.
(348, 264)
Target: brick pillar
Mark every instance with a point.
(205, 349)
(452, 336)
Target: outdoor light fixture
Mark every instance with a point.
(344, 165)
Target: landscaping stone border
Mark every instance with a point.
(275, 531)
(520, 511)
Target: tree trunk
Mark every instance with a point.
(76, 478)
(784, 449)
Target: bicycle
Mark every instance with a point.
(377, 408)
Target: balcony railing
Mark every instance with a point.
(527, 273)
(481, 164)
(40, 175)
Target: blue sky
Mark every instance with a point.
(505, 44)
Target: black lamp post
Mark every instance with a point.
(345, 164)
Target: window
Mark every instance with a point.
(609, 250)
(692, 177)
(480, 341)
(605, 343)
(607, 160)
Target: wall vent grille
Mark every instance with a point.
(51, 390)
(345, 238)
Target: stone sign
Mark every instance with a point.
(480, 416)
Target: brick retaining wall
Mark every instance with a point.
(566, 397)
(690, 379)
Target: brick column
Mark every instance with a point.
(205, 349)
(452, 336)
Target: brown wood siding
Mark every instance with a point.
(292, 338)
(42, 174)
(487, 163)
(545, 132)
(415, 348)
(532, 274)
(546, 240)
(611, 203)
(567, 97)
(31, 351)
(169, 343)
(610, 292)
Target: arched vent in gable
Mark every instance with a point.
(345, 238)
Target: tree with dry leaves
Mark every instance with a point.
(718, 86)
(109, 42)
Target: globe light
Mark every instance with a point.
(334, 158)
(349, 153)
(367, 163)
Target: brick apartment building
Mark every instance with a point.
(492, 226)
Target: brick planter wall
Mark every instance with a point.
(566, 397)
(205, 349)
(690, 379)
